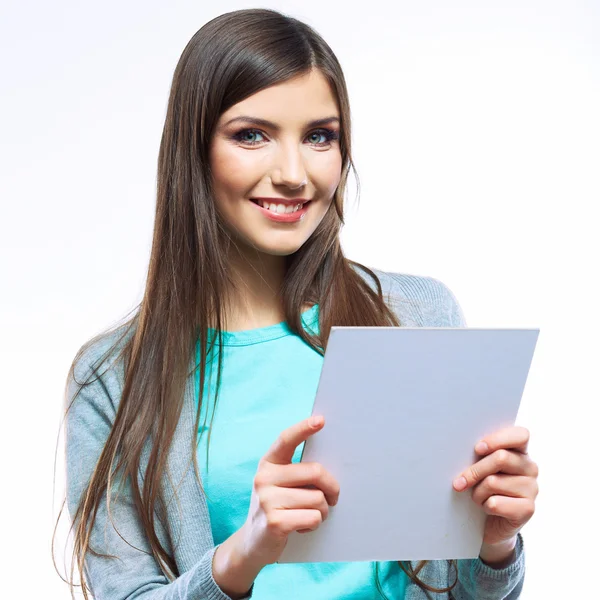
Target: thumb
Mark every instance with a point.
(282, 451)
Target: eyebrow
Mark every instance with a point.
(274, 126)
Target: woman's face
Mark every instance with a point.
(281, 163)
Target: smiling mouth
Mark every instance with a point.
(280, 208)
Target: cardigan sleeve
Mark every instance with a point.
(478, 581)
(133, 572)
(420, 301)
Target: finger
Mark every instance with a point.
(304, 474)
(282, 450)
(501, 461)
(512, 438)
(517, 511)
(285, 521)
(297, 498)
(516, 486)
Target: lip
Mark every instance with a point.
(283, 218)
(283, 200)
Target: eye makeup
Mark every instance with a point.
(329, 134)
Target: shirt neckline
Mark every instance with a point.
(246, 337)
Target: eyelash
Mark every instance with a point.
(330, 135)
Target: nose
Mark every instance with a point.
(288, 168)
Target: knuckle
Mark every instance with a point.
(474, 473)
(273, 521)
(263, 502)
(503, 456)
(492, 482)
(491, 503)
(316, 519)
(260, 479)
(534, 469)
(317, 470)
(529, 509)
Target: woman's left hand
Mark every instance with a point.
(504, 484)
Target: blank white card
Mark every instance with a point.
(404, 408)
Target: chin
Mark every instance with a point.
(278, 249)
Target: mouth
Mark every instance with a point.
(280, 208)
(283, 211)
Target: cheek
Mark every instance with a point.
(232, 171)
(328, 173)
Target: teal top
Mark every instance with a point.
(269, 381)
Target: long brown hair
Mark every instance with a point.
(230, 58)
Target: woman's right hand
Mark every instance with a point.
(281, 502)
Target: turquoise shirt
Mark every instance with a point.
(269, 382)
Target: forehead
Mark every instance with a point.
(304, 98)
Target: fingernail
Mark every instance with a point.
(315, 421)
(460, 483)
(481, 447)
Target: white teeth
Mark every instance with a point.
(280, 208)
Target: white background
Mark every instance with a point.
(477, 141)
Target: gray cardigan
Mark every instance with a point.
(418, 302)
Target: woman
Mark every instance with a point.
(246, 278)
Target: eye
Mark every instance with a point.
(328, 134)
(244, 134)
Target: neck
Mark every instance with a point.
(255, 300)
